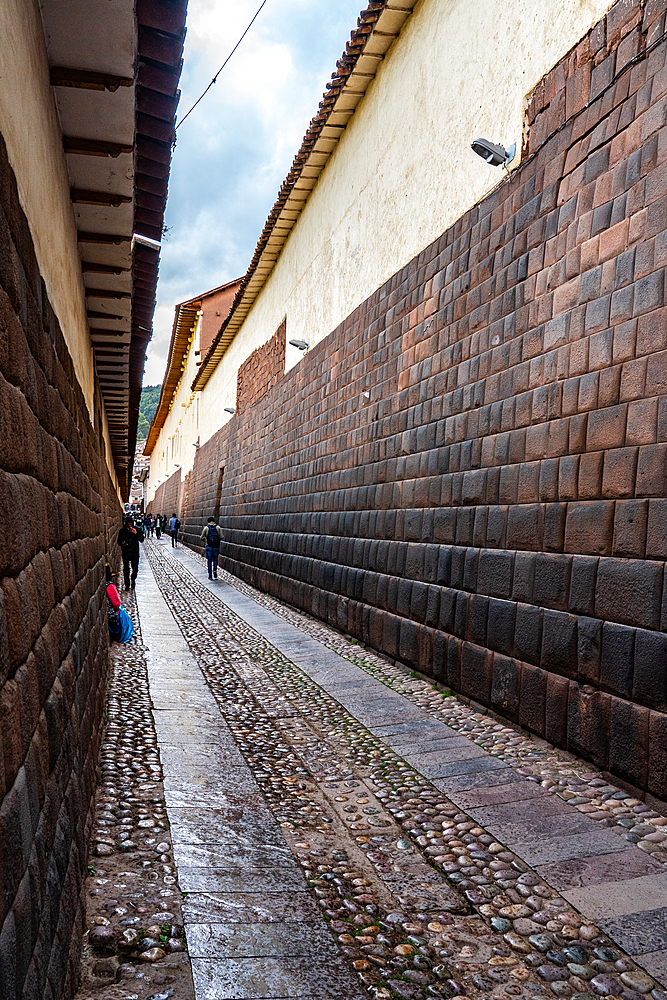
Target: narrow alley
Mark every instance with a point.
(335, 825)
(363, 383)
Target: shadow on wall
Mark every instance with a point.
(60, 519)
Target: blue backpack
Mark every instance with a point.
(126, 626)
(213, 537)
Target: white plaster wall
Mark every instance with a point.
(29, 125)
(403, 171)
(182, 426)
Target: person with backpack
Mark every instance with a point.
(174, 525)
(211, 536)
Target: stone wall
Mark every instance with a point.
(261, 370)
(168, 497)
(469, 473)
(60, 515)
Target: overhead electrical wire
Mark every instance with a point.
(215, 78)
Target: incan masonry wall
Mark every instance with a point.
(468, 474)
(60, 516)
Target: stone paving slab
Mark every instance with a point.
(265, 940)
(562, 848)
(246, 824)
(232, 857)
(250, 907)
(537, 827)
(522, 815)
(431, 760)
(436, 745)
(640, 933)
(221, 758)
(600, 868)
(447, 770)
(481, 779)
(424, 727)
(218, 880)
(172, 697)
(272, 978)
(631, 895)
(655, 963)
(509, 793)
(187, 787)
(373, 717)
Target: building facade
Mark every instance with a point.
(466, 469)
(181, 422)
(88, 94)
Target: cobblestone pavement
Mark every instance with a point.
(422, 897)
(134, 947)
(562, 774)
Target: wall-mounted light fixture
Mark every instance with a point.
(230, 409)
(493, 153)
(303, 345)
(176, 465)
(196, 444)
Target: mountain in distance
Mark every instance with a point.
(150, 395)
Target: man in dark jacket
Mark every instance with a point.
(128, 539)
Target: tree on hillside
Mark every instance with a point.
(150, 395)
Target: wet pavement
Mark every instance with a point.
(343, 830)
(134, 945)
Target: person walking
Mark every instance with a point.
(158, 526)
(148, 525)
(211, 536)
(128, 539)
(174, 525)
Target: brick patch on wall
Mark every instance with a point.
(60, 516)
(261, 370)
(468, 474)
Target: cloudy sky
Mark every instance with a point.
(235, 149)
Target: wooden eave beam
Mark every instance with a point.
(62, 76)
(94, 147)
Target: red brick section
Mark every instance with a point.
(215, 309)
(261, 370)
(59, 517)
(469, 472)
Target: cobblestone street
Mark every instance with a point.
(340, 829)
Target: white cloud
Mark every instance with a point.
(236, 147)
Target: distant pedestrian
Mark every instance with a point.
(211, 536)
(174, 525)
(158, 526)
(148, 525)
(128, 538)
